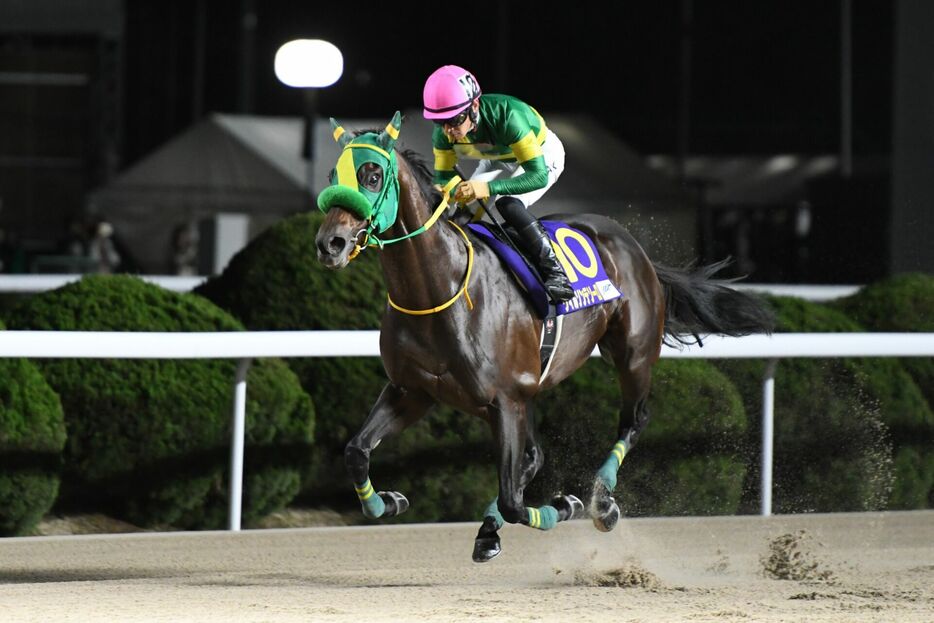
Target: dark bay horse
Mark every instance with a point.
(458, 329)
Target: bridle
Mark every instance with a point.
(379, 209)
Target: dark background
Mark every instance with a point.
(764, 76)
(676, 77)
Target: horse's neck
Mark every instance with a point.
(421, 271)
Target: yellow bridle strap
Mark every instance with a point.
(463, 290)
(383, 152)
(445, 199)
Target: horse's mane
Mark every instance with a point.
(423, 175)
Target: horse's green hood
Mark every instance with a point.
(380, 208)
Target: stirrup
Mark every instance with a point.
(559, 292)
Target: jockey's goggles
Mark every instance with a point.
(455, 121)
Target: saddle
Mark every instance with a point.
(577, 254)
(581, 262)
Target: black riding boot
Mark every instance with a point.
(536, 242)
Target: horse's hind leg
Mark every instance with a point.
(635, 382)
(487, 542)
(568, 506)
(395, 409)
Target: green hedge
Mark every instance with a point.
(905, 303)
(32, 437)
(842, 425)
(148, 440)
(443, 463)
(836, 420)
(901, 303)
(277, 283)
(689, 461)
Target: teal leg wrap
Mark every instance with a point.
(607, 472)
(493, 511)
(543, 517)
(373, 505)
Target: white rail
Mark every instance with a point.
(244, 346)
(802, 291)
(30, 284)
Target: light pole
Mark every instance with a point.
(309, 64)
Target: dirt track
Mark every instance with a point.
(845, 567)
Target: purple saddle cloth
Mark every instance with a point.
(577, 254)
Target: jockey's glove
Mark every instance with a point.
(471, 190)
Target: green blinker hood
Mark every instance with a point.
(379, 208)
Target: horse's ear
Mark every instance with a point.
(387, 137)
(339, 133)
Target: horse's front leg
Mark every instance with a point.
(395, 409)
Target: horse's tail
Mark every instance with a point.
(696, 304)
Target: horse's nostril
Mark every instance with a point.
(336, 245)
(332, 246)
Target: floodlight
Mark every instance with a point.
(309, 63)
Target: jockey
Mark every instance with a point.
(520, 158)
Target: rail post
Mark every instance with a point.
(236, 444)
(768, 420)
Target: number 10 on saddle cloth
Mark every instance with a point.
(578, 257)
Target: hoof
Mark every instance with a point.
(395, 502)
(603, 509)
(486, 548)
(568, 507)
(608, 520)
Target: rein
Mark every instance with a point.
(445, 201)
(379, 209)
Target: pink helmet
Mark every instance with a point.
(448, 92)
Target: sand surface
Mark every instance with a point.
(840, 568)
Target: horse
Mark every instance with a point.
(459, 331)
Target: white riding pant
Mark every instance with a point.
(552, 151)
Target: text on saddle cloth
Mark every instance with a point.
(577, 254)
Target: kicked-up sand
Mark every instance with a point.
(815, 568)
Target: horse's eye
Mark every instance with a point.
(370, 176)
